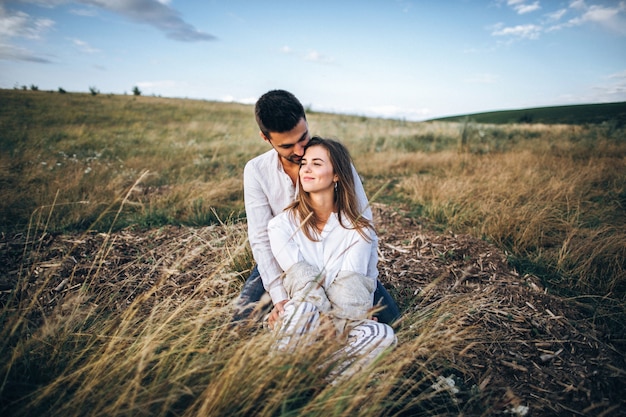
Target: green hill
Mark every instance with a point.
(578, 114)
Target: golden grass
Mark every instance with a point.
(85, 150)
(535, 205)
(544, 193)
(156, 340)
(158, 343)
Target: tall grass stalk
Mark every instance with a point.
(156, 339)
(136, 348)
(536, 206)
(164, 353)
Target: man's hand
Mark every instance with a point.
(277, 311)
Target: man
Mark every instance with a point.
(269, 182)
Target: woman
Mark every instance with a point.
(323, 244)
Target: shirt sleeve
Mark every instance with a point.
(258, 215)
(354, 254)
(364, 205)
(286, 251)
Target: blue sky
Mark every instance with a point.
(389, 58)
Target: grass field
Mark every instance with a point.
(123, 243)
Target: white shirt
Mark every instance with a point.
(338, 248)
(267, 191)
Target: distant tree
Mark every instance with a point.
(94, 91)
(33, 87)
(62, 91)
(24, 88)
(136, 91)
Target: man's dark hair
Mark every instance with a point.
(278, 111)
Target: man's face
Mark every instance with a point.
(290, 145)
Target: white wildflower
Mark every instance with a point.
(447, 384)
(520, 410)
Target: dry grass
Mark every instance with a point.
(122, 247)
(538, 206)
(138, 323)
(148, 333)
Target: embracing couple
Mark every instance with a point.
(312, 238)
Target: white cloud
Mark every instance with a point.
(164, 84)
(231, 99)
(528, 31)
(617, 85)
(618, 76)
(22, 25)
(521, 7)
(83, 12)
(247, 100)
(157, 13)
(84, 46)
(311, 56)
(609, 18)
(556, 15)
(13, 53)
(396, 112)
(613, 90)
(315, 56)
(154, 13)
(528, 8)
(166, 88)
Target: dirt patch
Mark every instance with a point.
(530, 348)
(168, 262)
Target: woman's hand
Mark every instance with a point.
(276, 313)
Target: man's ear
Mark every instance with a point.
(265, 138)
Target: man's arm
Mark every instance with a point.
(372, 266)
(285, 249)
(258, 214)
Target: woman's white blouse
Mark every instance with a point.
(339, 248)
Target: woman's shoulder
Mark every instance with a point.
(282, 219)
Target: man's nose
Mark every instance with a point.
(299, 149)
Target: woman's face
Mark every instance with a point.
(316, 170)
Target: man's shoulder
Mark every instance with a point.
(266, 159)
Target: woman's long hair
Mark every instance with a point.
(346, 202)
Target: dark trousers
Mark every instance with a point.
(248, 304)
